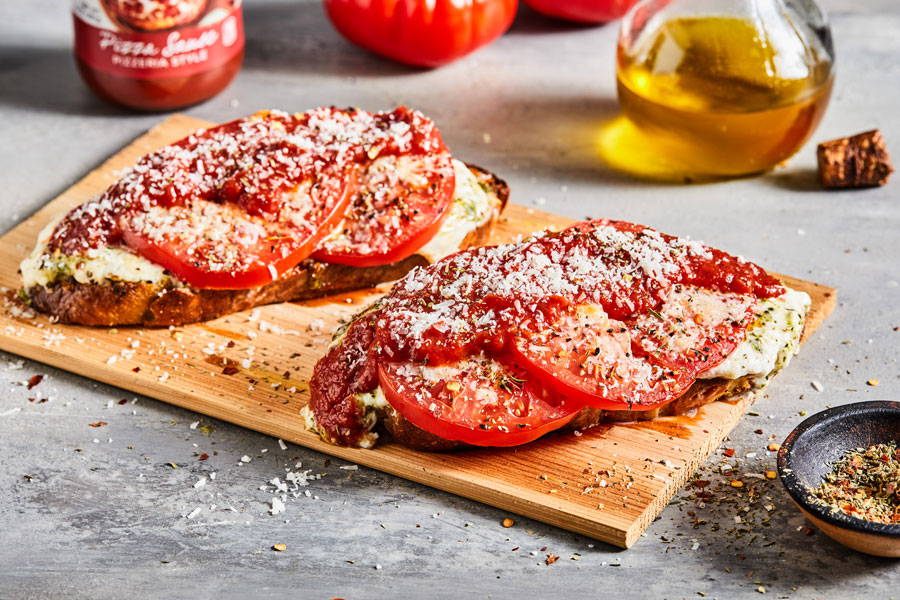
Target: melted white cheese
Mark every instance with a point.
(772, 340)
(97, 266)
(471, 208)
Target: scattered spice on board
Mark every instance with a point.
(865, 483)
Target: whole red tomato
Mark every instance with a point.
(425, 33)
(583, 11)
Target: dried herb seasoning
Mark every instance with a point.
(865, 483)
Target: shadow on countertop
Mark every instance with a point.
(530, 22)
(281, 37)
(46, 79)
(295, 38)
(794, 179)
(545, 134)
(299, 38)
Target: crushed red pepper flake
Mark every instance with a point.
(35, 380)
(551, 558)
(728, 452)
(98, 424)
(229, 370)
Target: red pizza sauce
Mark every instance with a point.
(346, 370)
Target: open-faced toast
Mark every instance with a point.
(605, 321)
(165, 302)
(365, 198)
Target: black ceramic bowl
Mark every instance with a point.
(808, 453)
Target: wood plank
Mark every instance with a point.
(275, 347)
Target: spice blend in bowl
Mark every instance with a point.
(865, 483)
(839, 466)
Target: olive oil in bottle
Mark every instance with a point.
(729, 95)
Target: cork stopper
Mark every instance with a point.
(861, 160)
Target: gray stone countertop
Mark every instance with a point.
(98, 513)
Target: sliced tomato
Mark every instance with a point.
(588, 358)
(640, 363)
(480, 401)
(222, 246)
(398, 206)
(694, 330)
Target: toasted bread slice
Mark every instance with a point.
(115, 302)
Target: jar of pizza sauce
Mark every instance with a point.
(158, 54)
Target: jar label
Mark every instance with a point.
(157, 38)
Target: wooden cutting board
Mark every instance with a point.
(274, 348)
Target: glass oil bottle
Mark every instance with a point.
(733, 87)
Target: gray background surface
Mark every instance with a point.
(107, 520)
